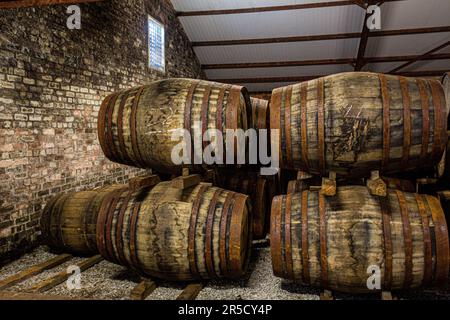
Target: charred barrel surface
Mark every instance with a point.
(69, 221)
(135, 127)
(202, 232)
(353, 123)
(331, 242)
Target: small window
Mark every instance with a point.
(156, 45)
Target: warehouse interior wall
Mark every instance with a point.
(53, 80)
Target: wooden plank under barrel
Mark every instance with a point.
(356, 122)
(332, 242)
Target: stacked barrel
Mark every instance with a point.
(348, 145)
(351, 126)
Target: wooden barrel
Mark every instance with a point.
(446, 85)
(135, 126)
(356, 122)
(331, 242)
(260, 118)
(295, 186)
(399, 184)
(260, 193)
(69, 221)
(202, 232)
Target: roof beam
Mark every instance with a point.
(364, 39)
(328, 4)
(277, 64)
(421, 57)
(352, 35)
(433, 73)
(10, 4)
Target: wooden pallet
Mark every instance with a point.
(140, 292)
(34, 293)
(144, 288)
(328, 295)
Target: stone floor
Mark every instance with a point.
(109, 281)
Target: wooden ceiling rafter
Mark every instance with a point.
(301, 63)
(421, 57)
(431, 73)
(338, 36)
(303, 6)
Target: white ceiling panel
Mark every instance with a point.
(274, 24)
(415, 14)
(329, 49)
(405, 45)
(196, 5)
(331, 20)
(276, 72)
(264, 87)
(417, 66)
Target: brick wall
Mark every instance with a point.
(52, 82)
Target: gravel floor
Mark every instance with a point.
(109, 281)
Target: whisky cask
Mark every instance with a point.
(135, 126)
(259, 118)
(446, 85)
(260, 192)
(295, 186)
(399, 184)
(356, 122)
(69, 221)
(201, 232)
(331, 242)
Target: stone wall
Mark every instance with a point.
(52, 82)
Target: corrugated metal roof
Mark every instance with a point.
(195, 5)
(331, 20)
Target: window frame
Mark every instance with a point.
(151, 19)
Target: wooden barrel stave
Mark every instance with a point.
(342, 127)
(198, 233)
(135, 126)
(260, 190)
(355, 238)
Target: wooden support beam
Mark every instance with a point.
(314, 5)
(191, 291)
(432, 73)
(326, 295)
(143, 290)
(9, 4)
(421, 57)
(322, 37)
(143, 182)
(185, 182)
(9, 295)
(329, 185)
(34, 270)
(376, 185)
(62, 276)
(300, 63)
